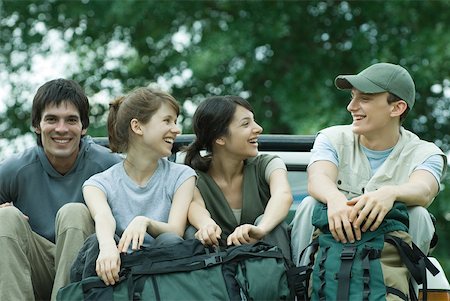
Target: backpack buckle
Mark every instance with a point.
(348, 253)
(213, 260)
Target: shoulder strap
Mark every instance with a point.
(416, 262)
(344, 274)
(299, 277)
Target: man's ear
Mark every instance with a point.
(398, 108)
(136, 126)
(37, 130)
(83, 132)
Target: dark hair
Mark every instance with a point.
(211, 121)
(55, 92)
(393, 98)
(141, 103)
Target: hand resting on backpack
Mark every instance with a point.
(245, 234)
(108, 263)
(370, 209)
(209, 235)
(134, 234)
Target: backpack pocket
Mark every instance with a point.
(262, 278)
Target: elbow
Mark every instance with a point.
(427, 200)
(290, 199)
(287, 197)
(427, 197)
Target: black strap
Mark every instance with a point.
(96, 290)
(321, 291)
(366, 273)
(298, 280)
(413, 255)
(299, 277)
(398, 293)
(412, 292)
(199, 261)
(344, 274)
(139, 283)
(86, 286)
(416, 262)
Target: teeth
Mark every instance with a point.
(61, 140)
(169, 140)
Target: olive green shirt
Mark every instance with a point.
(255, 195)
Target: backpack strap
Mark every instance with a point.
(95, 289)
(398, 293)
(344, 274)
(299, 277)
(367, 254)
(416, 262)
(321, 292)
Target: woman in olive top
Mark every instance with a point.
(241, 196)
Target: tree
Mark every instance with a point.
(281, 55)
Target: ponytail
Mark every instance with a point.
(114, 140)
(194, 159)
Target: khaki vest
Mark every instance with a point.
(354, 172)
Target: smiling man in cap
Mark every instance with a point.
(360, 170)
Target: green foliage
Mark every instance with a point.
(283, 55)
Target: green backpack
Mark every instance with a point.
(379, 264)
(189, 271)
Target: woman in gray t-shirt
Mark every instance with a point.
(145, 195)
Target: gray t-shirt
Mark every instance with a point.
(38, 190)
(153, 200)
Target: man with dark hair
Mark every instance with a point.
(360, 170)
(44, 219)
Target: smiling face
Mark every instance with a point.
(372, 114)
(160, 131)
(61, 130)
(243, 133)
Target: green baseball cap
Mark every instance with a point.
(381, 77)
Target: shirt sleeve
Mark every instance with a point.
(323, 150)
(435, 165)
(275, 163)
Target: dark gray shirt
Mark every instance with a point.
(38, 190)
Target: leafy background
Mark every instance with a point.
(281, 55)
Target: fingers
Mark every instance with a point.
(137, 241)
(108, 270)
(337, 231)
(357, 232)
(357, 206)
(374, 219)
(124, 243)
(363, 210)
(209, 235)
(241, 235)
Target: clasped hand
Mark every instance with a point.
(366, 212)
(243, 234)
